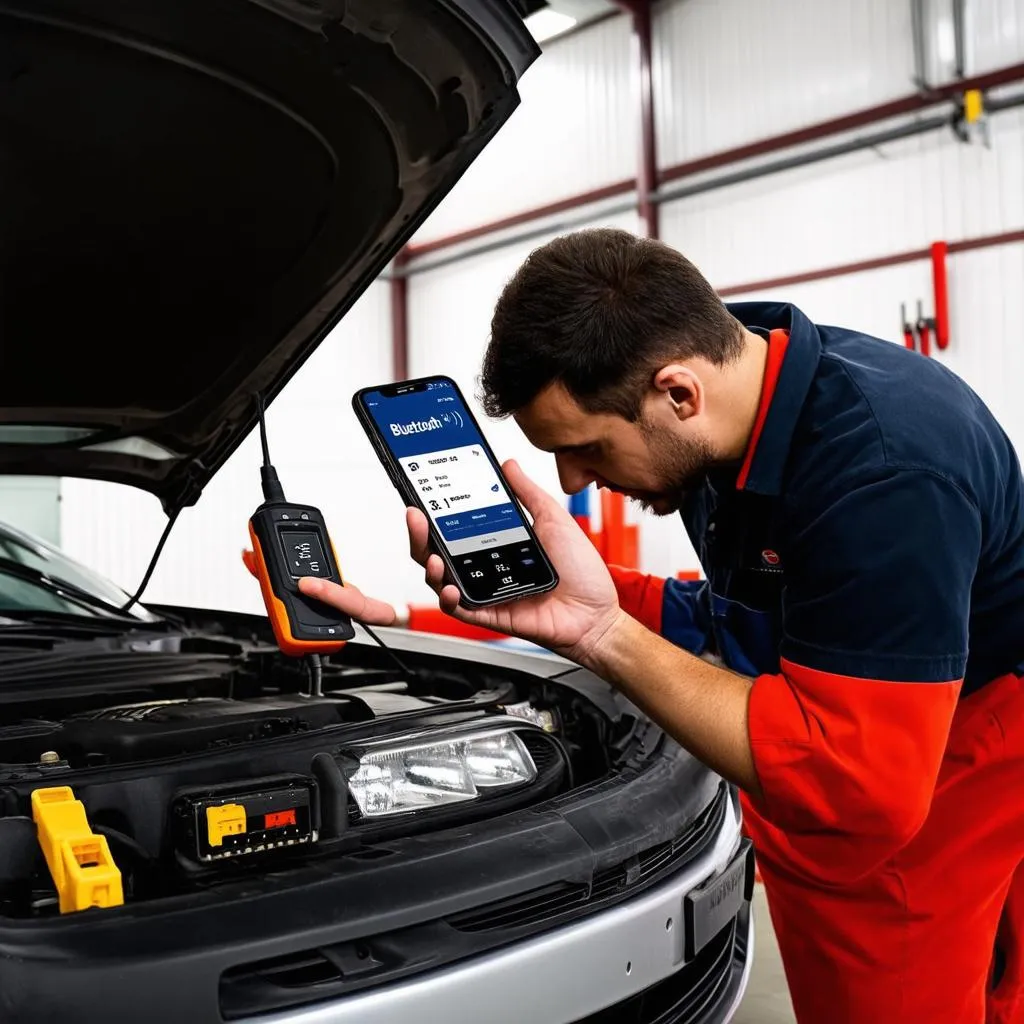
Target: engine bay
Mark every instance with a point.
(196, 757)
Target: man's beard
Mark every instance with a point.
(681, 465)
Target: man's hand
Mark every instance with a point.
(350, 600)
(570, 620)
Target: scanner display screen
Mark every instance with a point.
(304, 553)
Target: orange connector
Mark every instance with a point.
(80, 863)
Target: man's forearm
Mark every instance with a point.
(704, 708)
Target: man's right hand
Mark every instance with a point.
(570, 620)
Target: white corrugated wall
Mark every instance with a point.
(575, 130)
(997, 32)
(322, 458)
(731, 71)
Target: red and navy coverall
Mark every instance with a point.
(865, 566)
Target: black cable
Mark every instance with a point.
(171, 519)
(272, 489)
(316, 675)
(125, 840)
(402, 667)
(263, 429)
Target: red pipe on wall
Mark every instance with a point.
(939, 284)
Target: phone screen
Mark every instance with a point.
(450, 472)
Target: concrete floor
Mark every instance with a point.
(767, 998)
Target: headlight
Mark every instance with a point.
(422, 774)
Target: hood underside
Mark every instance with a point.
(193, 192)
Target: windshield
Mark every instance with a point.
(21, 593)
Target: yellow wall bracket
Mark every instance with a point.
(80, 863)
(974, 106)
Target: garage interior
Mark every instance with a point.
(862, 159)
(830, 178)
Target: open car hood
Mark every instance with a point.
(192, 194)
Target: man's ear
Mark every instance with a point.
(682, 388)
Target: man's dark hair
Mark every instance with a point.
(601, 311)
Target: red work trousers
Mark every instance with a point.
(936, 935)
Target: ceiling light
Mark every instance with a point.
(546, 24)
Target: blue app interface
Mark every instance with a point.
(448, 468)
(444, 458)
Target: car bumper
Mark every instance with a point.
(567, 974)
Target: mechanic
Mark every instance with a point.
(859, 516)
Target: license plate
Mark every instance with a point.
(708, 909)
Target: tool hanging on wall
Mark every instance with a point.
(925, 326)
(919, 334)
(909, 329)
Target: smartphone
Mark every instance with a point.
(435, 454)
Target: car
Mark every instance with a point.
(193, 827)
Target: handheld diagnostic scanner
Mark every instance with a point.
(290, 541)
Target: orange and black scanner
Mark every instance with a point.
(290, 541)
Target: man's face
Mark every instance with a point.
(653, 461)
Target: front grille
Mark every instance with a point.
(549, 903)
(691, 994)
(293, 970)
(554, 902)
(334, 971)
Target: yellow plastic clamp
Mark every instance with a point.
(80, 863)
